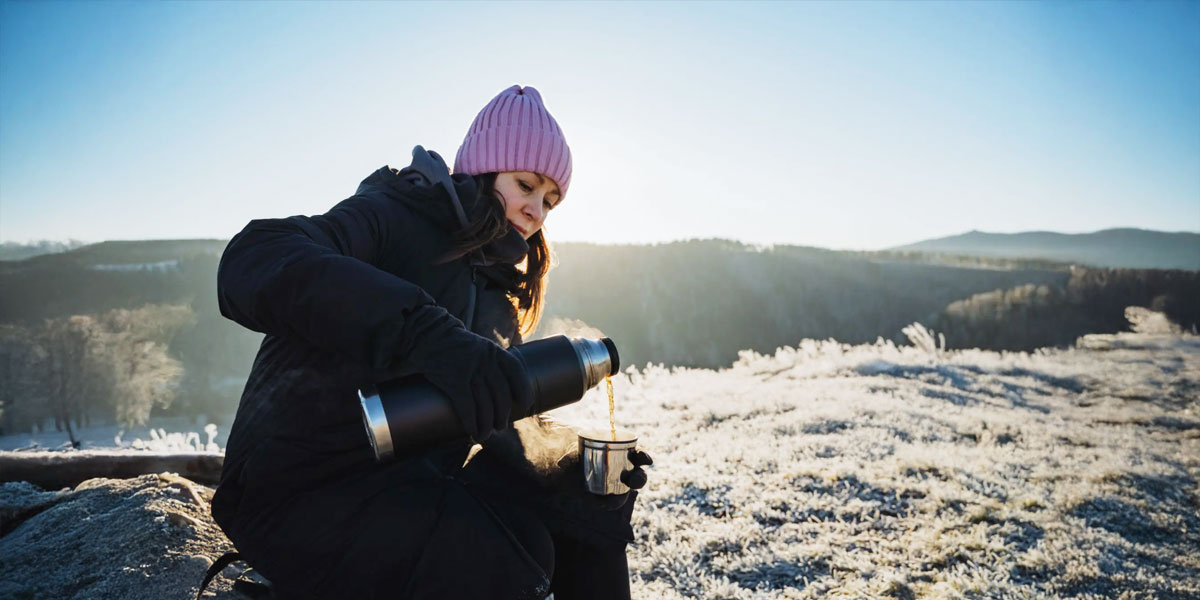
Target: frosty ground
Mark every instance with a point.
(836, 471)
(824, 470)
(178, 434)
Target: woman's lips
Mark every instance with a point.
(518, 228)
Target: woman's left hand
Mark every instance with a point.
(636, 478)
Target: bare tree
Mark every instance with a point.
(117, 363)
(135, 343)
(71, 368)
(21, 399)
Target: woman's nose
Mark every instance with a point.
(534, 209)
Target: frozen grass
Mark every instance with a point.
(830, 470)
(160, 435)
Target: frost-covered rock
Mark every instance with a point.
(20, 500)
(149, 537)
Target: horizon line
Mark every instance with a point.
(84, 243)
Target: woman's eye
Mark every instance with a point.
(546, 203)
(525, 186)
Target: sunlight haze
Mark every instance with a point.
(852, 125)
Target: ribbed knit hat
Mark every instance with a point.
(514, 132)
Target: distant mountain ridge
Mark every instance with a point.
(1118, 248)
(19, 251)
(117, 252)
(1115, 248)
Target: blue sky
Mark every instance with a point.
(843, 125)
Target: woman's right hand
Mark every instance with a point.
(483, 381)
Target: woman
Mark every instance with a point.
(423, 272)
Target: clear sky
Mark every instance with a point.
(843, 125)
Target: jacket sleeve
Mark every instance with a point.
(314, 279)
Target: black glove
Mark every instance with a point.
(483, 381)
(636, 478)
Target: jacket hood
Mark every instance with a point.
(427, 187)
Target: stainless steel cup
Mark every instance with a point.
(605, 458)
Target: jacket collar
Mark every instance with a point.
(427, 186)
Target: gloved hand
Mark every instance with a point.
(483, 381)
(634, 478)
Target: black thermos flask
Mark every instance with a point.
(408, 415)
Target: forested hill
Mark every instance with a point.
(698, 303)
(693, 303)
(1124, 248)
(18, 251)
(123, 329)
(127, 254)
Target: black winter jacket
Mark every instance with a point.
(331, 293)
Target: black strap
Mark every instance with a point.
(254, 590)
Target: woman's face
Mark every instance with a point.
(527, 197)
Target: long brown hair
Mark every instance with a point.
(487, 223)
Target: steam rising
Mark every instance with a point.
(572, 328)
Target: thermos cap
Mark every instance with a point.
(613, 358)
(597, 359)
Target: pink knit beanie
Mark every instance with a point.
(514, 132)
